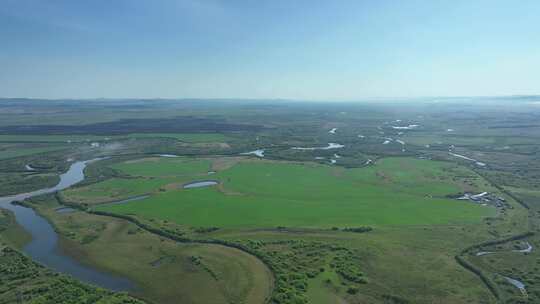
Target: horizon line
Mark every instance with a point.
(382, 98)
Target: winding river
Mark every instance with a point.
(44, 248)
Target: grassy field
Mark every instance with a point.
(414, 264)
(150, 175)
(395, 191)
(408, 257)
(11, 233)
(163, 270)
(449, 138)
(114, 189)
(53, 138)
(164, 166)
(12, 151)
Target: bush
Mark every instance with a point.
(358, 229)
(352, 290)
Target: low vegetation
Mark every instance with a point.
(376, 220)
(24, 281)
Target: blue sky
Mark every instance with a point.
(342, 50)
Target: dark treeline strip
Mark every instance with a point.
(489, 284)
(185, 124)
(358, 229)
(498, 242)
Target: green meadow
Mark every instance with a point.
(114, 189)
(273, 230)
(251, 194)
(54, 138)
(147, 176)
(164, 166)
(18, 151)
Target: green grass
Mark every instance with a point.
(20, 151)
(186, 137)
(51, 138)
(152, 262)
(153, 173)
(449, 138)
(268, 194)
(413, 176)
(114, 189)
(323, 288)
(430, 139)
(11, 232)
(155, 167)
(413, 262)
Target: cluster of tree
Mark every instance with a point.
(195, 259)
(361, 229)
(294, 262)
(348, 269)
(23, 182)
(24, 281)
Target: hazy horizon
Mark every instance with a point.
(302, 50)
(365, 99)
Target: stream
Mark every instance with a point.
(518, 284)
(43, 247)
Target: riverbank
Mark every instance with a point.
(29, 282)
(120, 248)
(43, 246)
(152, 261)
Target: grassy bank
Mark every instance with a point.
(153, 262)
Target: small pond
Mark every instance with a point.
(200, 184)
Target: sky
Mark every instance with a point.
(290, 49)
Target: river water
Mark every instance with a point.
(43, 247)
